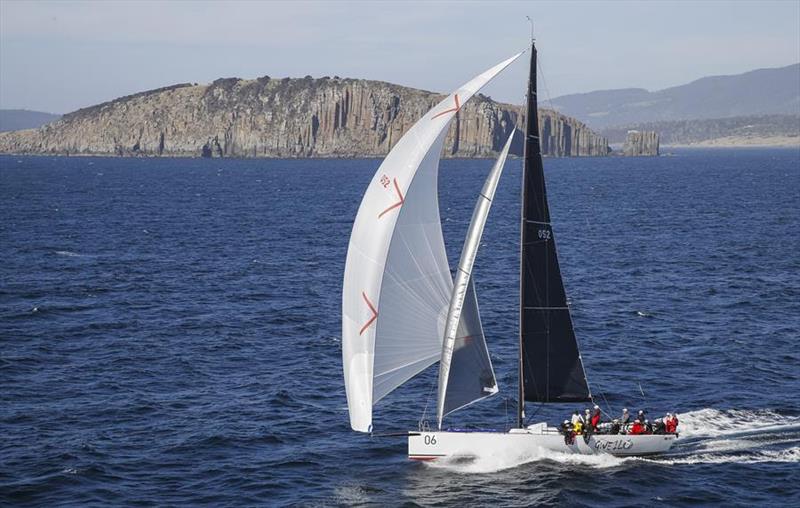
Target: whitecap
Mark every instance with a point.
(69, 253)
(350, 495)
(715, 423)
(786, 455)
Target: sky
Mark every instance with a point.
(58, 56)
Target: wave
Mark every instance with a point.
(70, 254)
(716, 423)
(786, 455)
(494, 462)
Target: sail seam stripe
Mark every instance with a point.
(422, 360)
(538, 222)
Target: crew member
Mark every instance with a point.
(588, 430)
(671, 424)
(569, 434)
(595, 418)
(637, 427)
(659, 425)
(577, 424)
(625, 418)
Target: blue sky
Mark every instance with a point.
(63, 55)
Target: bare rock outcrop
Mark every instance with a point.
(327, 117)
(641, 143)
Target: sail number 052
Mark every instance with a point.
(430, 439)
(544, 234)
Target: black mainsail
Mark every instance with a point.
(550, 365)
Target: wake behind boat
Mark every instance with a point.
(402, 310)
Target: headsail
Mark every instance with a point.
(550, 362)
(397, 281)
(469, 376)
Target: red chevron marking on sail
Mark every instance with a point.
(374, 313)
(458, 106)
(396, 205)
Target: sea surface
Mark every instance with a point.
(170, 332)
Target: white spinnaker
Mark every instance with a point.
(397, 281)
(471, 371)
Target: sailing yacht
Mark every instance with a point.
(402, 310)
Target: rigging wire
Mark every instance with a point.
(553, 108)
(544, 83)
(610, 412)
(422, 420)
(529, 418)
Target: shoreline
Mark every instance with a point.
(743, 142)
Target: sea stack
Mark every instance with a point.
(641, 144)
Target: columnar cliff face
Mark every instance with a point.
(641, 143)
(287, 118)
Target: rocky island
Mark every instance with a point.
(265, 117)
(641, 144)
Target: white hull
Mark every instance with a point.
(531, 441)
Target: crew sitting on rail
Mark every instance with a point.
(588, 429)
(615, 427)
(671, 424)
(577, 427)
(637, 427)
(568, 431)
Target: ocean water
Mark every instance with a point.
(170, 332)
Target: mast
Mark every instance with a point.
(531, 150)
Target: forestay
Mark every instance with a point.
(397, 281)
(469, 377)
